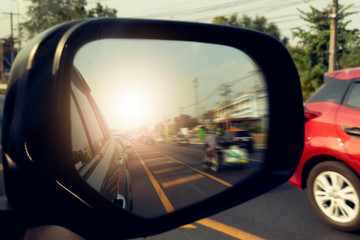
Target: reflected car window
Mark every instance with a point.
(81, 147)
(164, 109)
(90, 119)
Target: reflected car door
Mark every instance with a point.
(348, 123)
(98, 157)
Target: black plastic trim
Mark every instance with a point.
(41, 93)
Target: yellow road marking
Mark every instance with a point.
(182, 180)
(1, 167)
(115, 174)
(149, 156)
(118, 184)
(154, 159)
(167, 170)
(231, 231)
(188, 226)
(114, 188)
(160, 163)
(201, 172)
(143, 151)
(165, 201)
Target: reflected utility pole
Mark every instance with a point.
(196, 97)
(225, 91)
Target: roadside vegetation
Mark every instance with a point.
(311, 52)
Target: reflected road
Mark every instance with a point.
(171, 177)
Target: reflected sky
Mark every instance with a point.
(184, 93)
(138, 82)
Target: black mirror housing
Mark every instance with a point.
(36, 127)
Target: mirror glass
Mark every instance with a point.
(159, 125)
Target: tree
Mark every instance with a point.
(6, 45)
(47, 13)
(159, 128)
(259, 23)
(350, 55)
(183, 121)
(208, 115)
(100, 11)
(311, 55)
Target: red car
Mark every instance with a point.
(330, 164)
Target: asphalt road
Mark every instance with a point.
(171, 177)
(281, 214)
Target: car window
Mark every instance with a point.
(80, 145)
(242, 134)
(332, 91)
(228, 135)
(353, 99)
(89, 118)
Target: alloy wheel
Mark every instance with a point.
(336, 196)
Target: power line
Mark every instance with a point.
(213, 93)
(191, 11)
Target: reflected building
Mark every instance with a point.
(248, 110)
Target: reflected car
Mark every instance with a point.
(148, 140)
(99, 157)
(123, 139)
(159, 139)
(240, 138)
(124, 146)
(229, 156)
(330, 164)
(180, 139)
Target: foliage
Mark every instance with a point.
(181, 121)
(6, 45)
(311, 55)
(209, 115)
(100, 11)
(185, 121)
(259, 23)
(159, 128)
(47, 13)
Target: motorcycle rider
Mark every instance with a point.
(211, 145)
(211, 140)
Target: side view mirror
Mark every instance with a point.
(105, 123)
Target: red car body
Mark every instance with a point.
(329, 167)
(328, 121)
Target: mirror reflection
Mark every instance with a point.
(159, 125)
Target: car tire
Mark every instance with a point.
(333, 190)
(250, 149)
(205, 160)
(215, 163)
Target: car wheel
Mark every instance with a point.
(205, 161)
(215, 163)
(250, 149)
(333, 190)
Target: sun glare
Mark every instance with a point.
(134, 105)
(132, 108)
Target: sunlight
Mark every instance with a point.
(133, 106)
